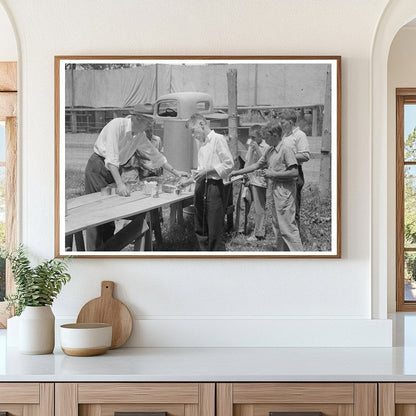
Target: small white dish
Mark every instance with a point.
(84, 340)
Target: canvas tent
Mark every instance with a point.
(292, 84)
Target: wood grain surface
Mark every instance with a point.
(107, 309)
(169, 393)
(8, 105)
(252, 393)
(84, 352)
(95, 209)
(8, 76)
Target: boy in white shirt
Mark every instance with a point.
(215, 162)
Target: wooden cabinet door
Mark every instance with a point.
(397, 399)
(26, 399)
(297, 399)
(144, 399)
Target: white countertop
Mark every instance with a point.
(222, 364)
(215, 364)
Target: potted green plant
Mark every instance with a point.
(36, 289)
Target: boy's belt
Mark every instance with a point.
(214, 181)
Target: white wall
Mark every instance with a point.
(224, 301)
(401, 74)
(8, 46)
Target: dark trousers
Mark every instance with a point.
(299, 185)
(209, 215)
(97, 177)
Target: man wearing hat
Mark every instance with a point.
(116, 144)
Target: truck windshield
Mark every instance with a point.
(168, 108)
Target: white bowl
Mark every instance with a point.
(83, 340)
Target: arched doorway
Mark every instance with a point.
(401, 101)
(395, 16)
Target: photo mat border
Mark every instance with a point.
(59, 183)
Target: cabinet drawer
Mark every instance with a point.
(297, 399)
(147, 399)
(397, 399)
(138, 393)
(19, 393)
(21, 399)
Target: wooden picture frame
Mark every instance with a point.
(8, 116)
(234, 94)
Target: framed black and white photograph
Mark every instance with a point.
(198, 156)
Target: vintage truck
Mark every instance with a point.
(171, 112)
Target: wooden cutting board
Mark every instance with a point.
(107, 309)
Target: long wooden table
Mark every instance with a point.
(95, 209)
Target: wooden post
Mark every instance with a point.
(232, 132)
(73, 121)
(73, 114)
(325, 170)
(314, 121)
(301, 114)
(232, 110)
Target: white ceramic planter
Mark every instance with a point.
(37, 330)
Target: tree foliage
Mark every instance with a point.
(410, 146)
(410, 191)
(410, 204)
(101, 67)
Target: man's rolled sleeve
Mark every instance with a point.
(289, 158)
(226, 164)
(306, 156)
(302, 146)
(113, 161)
(110, 136)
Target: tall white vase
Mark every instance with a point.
(37, 330)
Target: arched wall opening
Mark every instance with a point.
(396, 15)
(401, 74)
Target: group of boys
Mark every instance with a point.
(274, 161)
(275, 155)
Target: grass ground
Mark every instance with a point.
(315, 229)
(315, 213)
